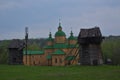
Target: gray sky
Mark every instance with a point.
(42, 16)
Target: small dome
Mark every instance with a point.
(50, 37)
(71, 36)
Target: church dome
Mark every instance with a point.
(50, 37)
(60, 32)
(71, 36)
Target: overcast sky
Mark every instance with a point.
(42, 16)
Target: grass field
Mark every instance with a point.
(18, 72)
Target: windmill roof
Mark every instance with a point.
(92, 32)
(16, 43)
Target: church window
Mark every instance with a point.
(55, 60)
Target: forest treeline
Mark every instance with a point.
(110, 48)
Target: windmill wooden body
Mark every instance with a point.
(90, 43)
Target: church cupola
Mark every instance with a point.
(60, 32)
(50, 39)
(50, 35)
(59, 28)
(60, 36)
(72, 39)
(71, 34)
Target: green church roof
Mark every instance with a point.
(69, 58)
(59, 52)
(50, 37)
(60, 33)
(72, 37)
(48, 47)
(72, 46)
(60, 45)
(30, 52)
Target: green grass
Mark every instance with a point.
(18, 72)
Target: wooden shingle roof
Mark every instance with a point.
(92, 32)
(16, 43)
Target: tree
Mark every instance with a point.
(111, 50)
(34, 46)
(4, 51)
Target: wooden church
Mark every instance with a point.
(59, 51)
